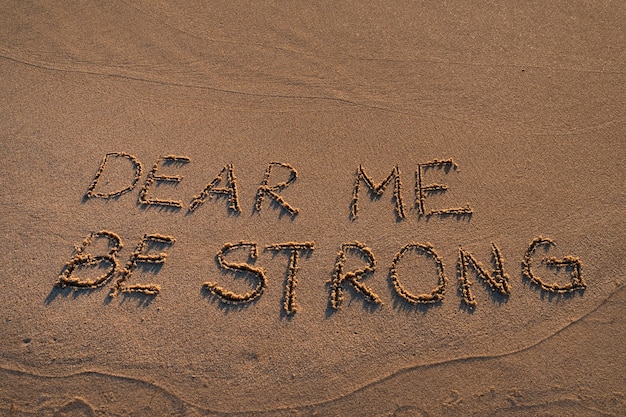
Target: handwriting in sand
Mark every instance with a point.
(225, 185)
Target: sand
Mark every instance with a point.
(332, 209)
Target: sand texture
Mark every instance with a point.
(365, 208)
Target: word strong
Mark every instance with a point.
(224, 184)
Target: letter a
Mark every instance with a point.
(211, 190)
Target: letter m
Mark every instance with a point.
(377, 190)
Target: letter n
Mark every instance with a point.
(498, 281)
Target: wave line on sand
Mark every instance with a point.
(382, 379)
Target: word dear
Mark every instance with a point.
(226, 176)
(497, 280)
(225, 185)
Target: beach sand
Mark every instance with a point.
(525, 102)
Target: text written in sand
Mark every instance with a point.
(151, 249)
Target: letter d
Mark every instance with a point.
(136, 167)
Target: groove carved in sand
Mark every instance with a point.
(421, 190)
(436, 295)
(227, 174)
(353, 277)
(230, 297)
(153, 178)
(577, 282)
(137, 175)
(138, 256)
(265, 190)
(295, 252)
(377, 190)
(81, 258)
(499, 281)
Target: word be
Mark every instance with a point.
(497, 280)
(82, 259)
